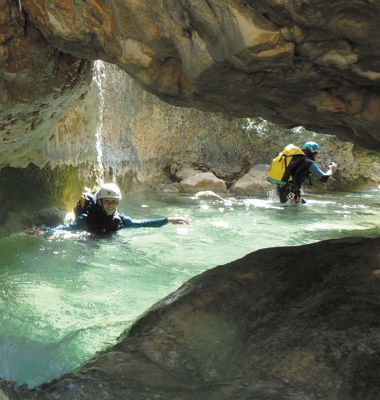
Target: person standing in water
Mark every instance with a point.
(291, 167)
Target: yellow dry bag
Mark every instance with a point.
(277, 172)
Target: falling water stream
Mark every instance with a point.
(63, 297)
(99, 80)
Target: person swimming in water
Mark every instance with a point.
(97, 213)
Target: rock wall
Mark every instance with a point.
(39, 85)
(147, 141)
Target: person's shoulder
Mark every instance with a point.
(310, 161)
(89, 196)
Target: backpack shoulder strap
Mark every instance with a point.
(85, 202)
(294, 165)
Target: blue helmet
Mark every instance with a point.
(312, 147)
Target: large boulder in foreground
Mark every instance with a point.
(283, 323)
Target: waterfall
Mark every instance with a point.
(99, 81)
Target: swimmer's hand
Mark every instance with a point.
(178, 220)
(333, 167)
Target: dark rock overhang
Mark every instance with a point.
(315, 64)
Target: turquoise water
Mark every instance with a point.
(64, 297)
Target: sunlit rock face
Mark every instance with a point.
(146, 142)
(38, 85)
(279, 324)
(294, 62)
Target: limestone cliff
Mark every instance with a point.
(144, 141)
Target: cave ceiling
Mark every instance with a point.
(311, 63)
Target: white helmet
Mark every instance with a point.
(108, 190)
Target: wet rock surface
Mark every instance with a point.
(281, 323)
(39, 84)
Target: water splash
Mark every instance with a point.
(209, 194)
(99, 79)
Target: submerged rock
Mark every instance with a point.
(296, 323)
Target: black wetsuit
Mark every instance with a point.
(96, 220)
(300, 169)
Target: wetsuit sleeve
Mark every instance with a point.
(141, 223)
(316, 171)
